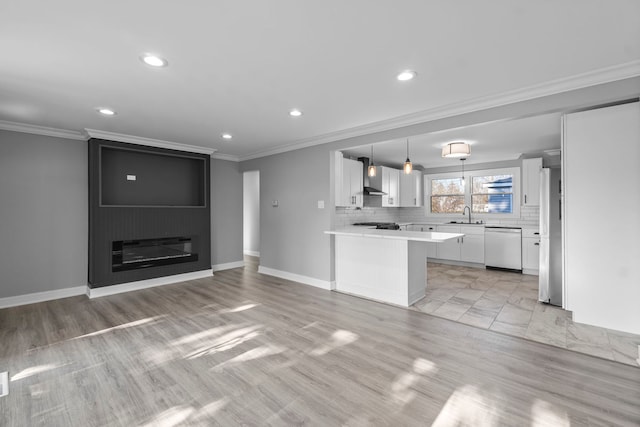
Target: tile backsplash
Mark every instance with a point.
(529, 216)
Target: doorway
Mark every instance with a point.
(251, 213)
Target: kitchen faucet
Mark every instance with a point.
(464, 210)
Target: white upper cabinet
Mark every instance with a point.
(411, 189)
(388, 180)
(531, 181)
(391, 186)
(349, 181)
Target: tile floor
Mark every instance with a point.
(508, 302)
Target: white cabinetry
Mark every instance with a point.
(349, 181)
(411, 189)
(388, 180)
(469, 248)
(531, 181)
(530, 251)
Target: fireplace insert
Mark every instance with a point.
(145, 253)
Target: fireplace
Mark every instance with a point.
(145, 253)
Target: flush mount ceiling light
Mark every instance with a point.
(371, 170)
(106, 111)
(456, 149)
(408, 166)
(226, 136)
(295, 113)
(154, 60)
(406, 75)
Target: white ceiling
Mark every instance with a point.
(495, 141)
(239, 66)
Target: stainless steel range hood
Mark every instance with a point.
(367, 190)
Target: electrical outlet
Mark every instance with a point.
(131, 177)
(4, 384)
(320, 204)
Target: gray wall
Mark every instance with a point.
(43, 214)
(251, 212)
(292, 235)
(226, 212)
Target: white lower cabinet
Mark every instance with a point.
(530, 251)
(469, 248)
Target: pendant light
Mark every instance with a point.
(371, 170)
(408, 167)
(462, 160)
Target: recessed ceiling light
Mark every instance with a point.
(154, 60)
(406, 75)
(106, 111)
(295, 113)
(226, 136)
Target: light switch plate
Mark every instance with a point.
(320, 204)
(274, 203)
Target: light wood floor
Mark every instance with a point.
(244, 348)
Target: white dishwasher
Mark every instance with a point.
(503, 247)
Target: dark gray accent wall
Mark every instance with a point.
(226, 212)
(114, 223)
(43, 213)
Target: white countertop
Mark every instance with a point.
(421, 236)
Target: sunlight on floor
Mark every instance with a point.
(401, 391)
(255, 353)
(468, 407)
(123, 326)
(338, 339)
(26, 373)
(171, 417)
(226, 342)
(238, 309)
(545, 414)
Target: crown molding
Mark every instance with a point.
(228, 157)
(552, 87)
(93, 133)
(41, 130)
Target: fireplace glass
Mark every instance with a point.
(145, 253)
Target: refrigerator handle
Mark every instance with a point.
(560, 210)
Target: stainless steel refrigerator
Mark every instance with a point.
(550, 274)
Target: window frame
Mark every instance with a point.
(468, 177)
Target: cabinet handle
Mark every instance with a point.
(536, 233)
(415, 201)
(537, 244)
(525, 199)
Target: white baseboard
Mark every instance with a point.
(251, 253)
(41, 296)
(322, 284)
(531, 272)
(227, 265)
(144, 284)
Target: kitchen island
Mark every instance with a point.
(384, 265)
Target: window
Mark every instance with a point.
(489, 193)
(492, 194)
(447, 195)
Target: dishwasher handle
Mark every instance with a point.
(502, 230)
